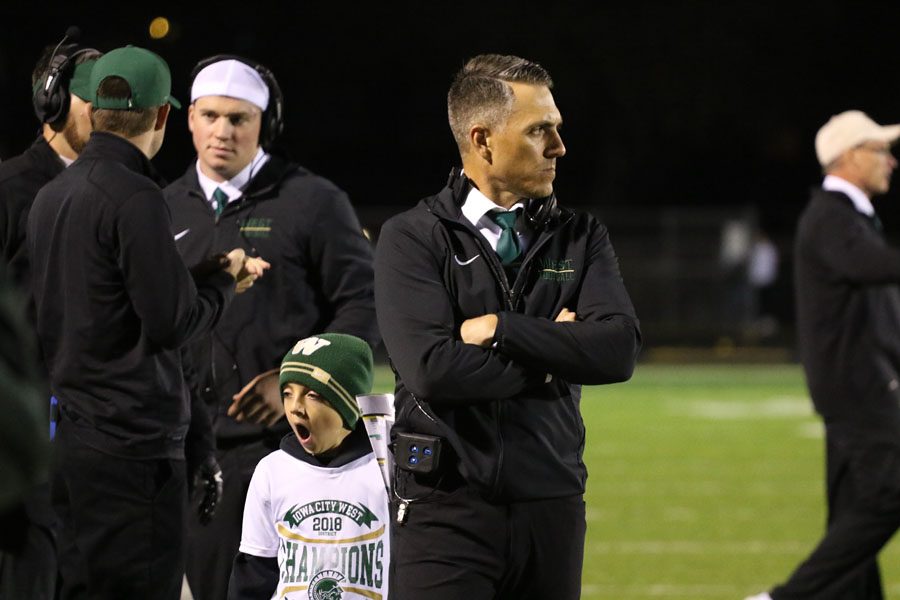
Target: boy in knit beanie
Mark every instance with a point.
(316, 522)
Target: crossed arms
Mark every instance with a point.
(593, 337)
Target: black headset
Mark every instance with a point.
(51, 97)
(542, 212)
(539, 212)
(273, 117)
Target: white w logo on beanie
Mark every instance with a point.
(309, 345)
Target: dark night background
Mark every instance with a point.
(666, 104)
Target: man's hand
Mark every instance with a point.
(253, 269)
(207, 488)
(259, 401)
(479, 331)
(565, 316)
(245, 269)
(235, 262)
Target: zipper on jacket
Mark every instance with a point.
(500, 276)
(511, 298)
(499, 273)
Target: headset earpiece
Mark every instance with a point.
(272, 123)
(542, 212)
(51, 98)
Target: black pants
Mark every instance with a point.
(212, 547)
(863, 486)
(30, 571)
(121, 522)
(455, 545)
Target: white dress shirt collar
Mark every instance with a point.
(833, 183)
(234, 187)
(477, 205)
(476, 208)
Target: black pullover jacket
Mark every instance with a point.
(114, 301)
(21, 178)
(515, 436)
(320, 280)
(848, 314)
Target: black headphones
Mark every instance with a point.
(539, 212)
(272, 118)
(542, 212)
(51, 98)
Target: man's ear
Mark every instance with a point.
(480, 141)
(85, 111)
(162, 114)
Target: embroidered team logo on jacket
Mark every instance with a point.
(557, 270)
(256, 227)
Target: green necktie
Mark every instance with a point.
(508, 245)
(221, 199)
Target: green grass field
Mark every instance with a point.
(706, 482)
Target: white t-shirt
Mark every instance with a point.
(329, 527)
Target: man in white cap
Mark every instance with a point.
(848, 328)
(321, 280)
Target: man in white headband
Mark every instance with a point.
(228, 99)
(848, 332)
(321, 281)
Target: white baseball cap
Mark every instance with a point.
(231, 78)
(847, 130)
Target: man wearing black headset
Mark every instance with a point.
(60, 90)
(496, 305)
(321, 280)
(59, 101)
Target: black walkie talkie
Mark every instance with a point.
(417, 453)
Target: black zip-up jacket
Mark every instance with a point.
(848, 313)
(115, 302)
(21, 178)
(320, 279)
(515, 437)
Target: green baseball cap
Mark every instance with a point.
(146, 73)
(80, 84)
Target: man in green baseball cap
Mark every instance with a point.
(146, 73)
(114, 304)
(131, 93)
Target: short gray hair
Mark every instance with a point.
(481, 91)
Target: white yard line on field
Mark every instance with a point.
(778, 407)
(698, 547)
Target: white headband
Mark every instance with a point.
(234, 79)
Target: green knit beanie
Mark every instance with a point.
(336, 365)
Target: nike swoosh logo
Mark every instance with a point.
(466, 262)
(178, 236)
